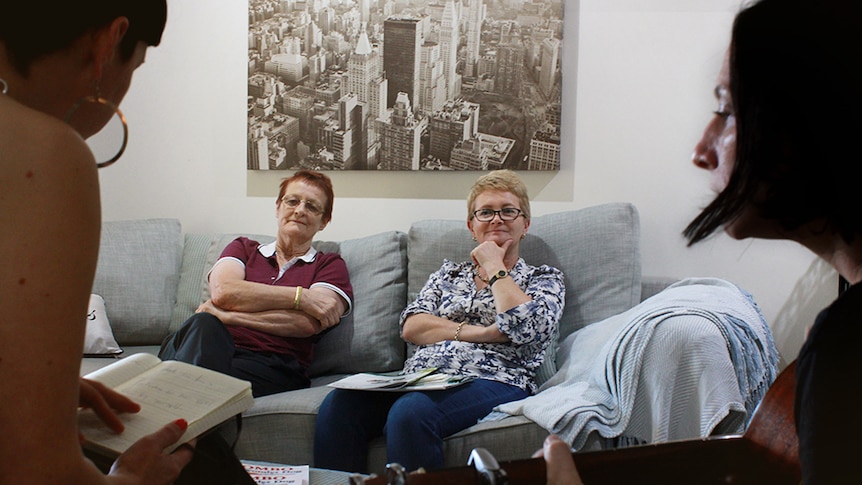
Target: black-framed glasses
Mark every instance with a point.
(506, 214)
(310, 205)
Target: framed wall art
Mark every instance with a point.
(404, 85)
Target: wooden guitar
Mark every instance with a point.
(766, 453)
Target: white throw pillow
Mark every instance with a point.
(99, 339)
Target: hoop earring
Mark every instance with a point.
(4, 85)
(116, 109)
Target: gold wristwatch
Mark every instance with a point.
(499, 274)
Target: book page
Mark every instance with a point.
(167, 392)
(124, 369)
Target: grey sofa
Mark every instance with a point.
(152, 276)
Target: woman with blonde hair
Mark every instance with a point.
(490, 319)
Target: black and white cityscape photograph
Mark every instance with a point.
(404, 84)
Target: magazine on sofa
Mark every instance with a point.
(166, 391)
(423, 380)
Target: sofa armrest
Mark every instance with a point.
(653, 285)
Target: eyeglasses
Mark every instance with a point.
(506, 214)
(310, 206)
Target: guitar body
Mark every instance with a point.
(768, 452)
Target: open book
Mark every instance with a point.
(423, 380)
(166, 391)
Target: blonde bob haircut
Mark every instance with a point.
(503, 181)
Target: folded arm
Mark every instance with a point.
(284, 323)
(424, 328)
(271, 308)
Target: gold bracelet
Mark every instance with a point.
(298, 297)
(458, 330)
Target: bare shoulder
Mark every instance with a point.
(30, 138)
(51, 218)
(44, 161)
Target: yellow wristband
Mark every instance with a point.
(298, 298)
(458, 331)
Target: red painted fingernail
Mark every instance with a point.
(182, 423)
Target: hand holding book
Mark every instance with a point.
(166, 391)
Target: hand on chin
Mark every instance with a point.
(498, 238)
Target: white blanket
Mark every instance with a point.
(599, 368)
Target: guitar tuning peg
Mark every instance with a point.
(395, 474)
(489, 470)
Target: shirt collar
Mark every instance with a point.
(268, 251)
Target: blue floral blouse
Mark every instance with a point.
(451, 293)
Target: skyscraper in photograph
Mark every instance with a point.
(550, 58)
(365, 78)
(432, 83)
(449, 30)
(456, 122)
(475, 17)
(400, 137)
(510, 65)
(402, 54)
(545, 150)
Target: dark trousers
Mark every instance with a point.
(203, 340)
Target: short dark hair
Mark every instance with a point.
(796, 92)
(31, 30)
(317, 179)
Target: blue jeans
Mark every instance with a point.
(414, 423)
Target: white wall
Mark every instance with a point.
(639, 77)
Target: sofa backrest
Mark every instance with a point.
(137, 275)
(597, 249)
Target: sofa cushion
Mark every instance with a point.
(368, 339)
(137, 275)
(597, 249)
(192, 277)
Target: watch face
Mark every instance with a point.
(502, 273)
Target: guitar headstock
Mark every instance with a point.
(482, 469)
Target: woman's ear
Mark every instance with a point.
(470, 228)
(106, 43)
